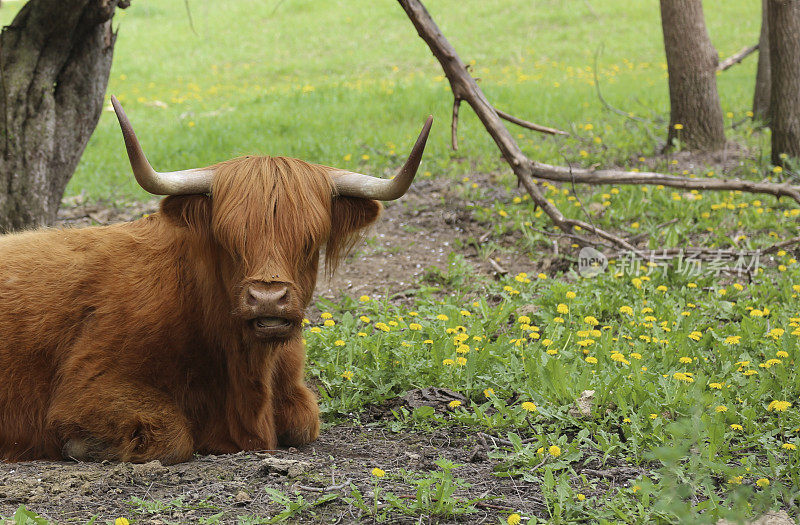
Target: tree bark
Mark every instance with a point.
(55, 59)
(784, 56)
(691, 64)
(763, 87)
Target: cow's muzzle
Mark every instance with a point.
(270, 309)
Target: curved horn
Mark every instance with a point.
(186, 182)
(352, 184)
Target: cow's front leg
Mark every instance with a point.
(107, 417)
(296, 407)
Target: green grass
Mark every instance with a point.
(324, 80)
(693, 379)
(690, 373)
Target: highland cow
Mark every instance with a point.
(177, 333)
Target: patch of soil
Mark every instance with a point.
(234, 485)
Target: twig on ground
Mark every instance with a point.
(454, 124)
(603, 100)
(504, 441)
(736, 58)
(497, 268)
(330, 488)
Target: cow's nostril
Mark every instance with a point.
(272, 295)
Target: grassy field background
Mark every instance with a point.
(334, 81)
(694, 376)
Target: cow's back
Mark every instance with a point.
(72, 298)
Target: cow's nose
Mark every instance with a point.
(272, 296)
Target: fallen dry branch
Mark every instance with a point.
(588, 176)
(465, 88)
(529, 125)
(736, 58)
(503, 115)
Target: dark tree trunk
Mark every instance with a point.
(55, 59)
(691, 64)
(763, 88)
(784, 56)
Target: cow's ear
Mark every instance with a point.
(349, 218)
(191, 211)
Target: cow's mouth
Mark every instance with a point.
(271, 326)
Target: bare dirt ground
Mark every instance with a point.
(414, 234)
(318, 478)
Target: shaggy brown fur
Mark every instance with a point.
(128, 342)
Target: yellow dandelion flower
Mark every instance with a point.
(732, 339)
(685, 360)
(554, 450)
(789, 446)
(591, 360)
(442, 317)
(736, 426)
(383, 327)
(489, 392)
(529, 407)
(454, 403)
(591, 320)
(570, 295)
(762, 482)
(514, 519)
(415, 326)
(619, 358)
(778, 406)
(347, 375)
(562, 309)
(524, 319)
(121, 521)
(448, 362)
(339, 342)
(378, 473)
(627, 310)
(721, 408)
